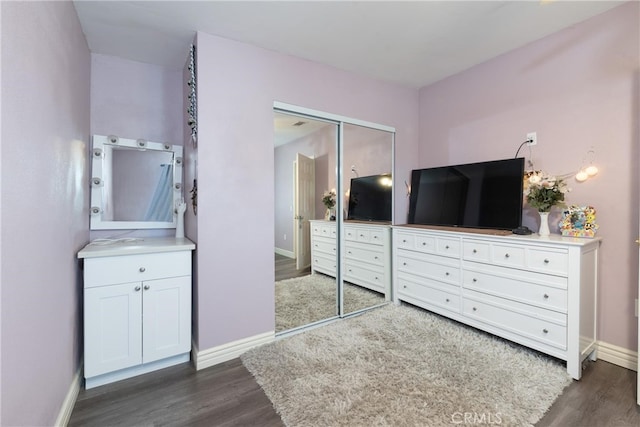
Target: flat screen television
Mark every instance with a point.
(370, 198)
(473, 195)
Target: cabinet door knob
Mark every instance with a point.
(137, 288)
(142, 269)
(146, 287)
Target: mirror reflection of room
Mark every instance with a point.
(306, 235)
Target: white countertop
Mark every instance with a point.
(141, 245)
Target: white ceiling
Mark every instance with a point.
(410, 43)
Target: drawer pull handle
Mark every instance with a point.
(424, 243)
(446, 274)
(404, 286)
(362, 235)
(475, 251)
(375, 237)
(404, 240)
(142, 269)
(545, 330)
(447, 300)
(137, 288)
(546, 261)
(506, 255)
(475, 309)
(474, 280)
(546, 296)
(375, 257)
(404, 263)
(146, 287)
(377, 278)
(446, 247)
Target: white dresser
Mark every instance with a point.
(367, 257)
(137, 307)
(538, 292)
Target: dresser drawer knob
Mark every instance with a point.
(545, 330)
(546, 296)
(424, 243)
(475, 309)
(137, 288)
(446, 274)
(446, 247)
(404, 286)
(142, 269)
(375, 257)
(376, 278)
(546, 261)
(474, 251)
(474, 280)
(447, 300)
(146, 287)
(404, 263)
(404, 240)
(506, 255)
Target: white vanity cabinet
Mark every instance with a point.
(367, 253)
(538, 292)
(137, 307)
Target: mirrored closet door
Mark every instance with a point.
(333, 210)
(305, 168)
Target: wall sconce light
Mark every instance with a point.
(590, 171)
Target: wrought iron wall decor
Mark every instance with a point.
(193, 105)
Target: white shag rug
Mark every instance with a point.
(308, 299)
(401, 366)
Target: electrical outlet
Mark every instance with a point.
(532, 138)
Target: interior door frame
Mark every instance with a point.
(285, 108)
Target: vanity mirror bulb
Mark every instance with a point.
(591, 170)
(141, 143)
(178, 161)
(97, 152)
(581, 176)
(112, 139)
(95, 210)
(167, 146)
(96, 181)
(177, 186)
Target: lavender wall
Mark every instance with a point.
(45, 134)
(577, 89)
(237, 86)
(136, 100)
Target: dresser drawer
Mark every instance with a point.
(366, 254)
(473, 250)
(448, 247)
(548, 261)
(404, 240)
(531, 325)
(420, 267)
(324, 264)
(517, 290)
(432, 295)
(135, 268)
(358, 274)
(324, 230)
(326, 246)
(510, 256)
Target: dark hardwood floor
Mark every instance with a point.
(286, 268)
(227, 395)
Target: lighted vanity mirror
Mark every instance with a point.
(134, 183)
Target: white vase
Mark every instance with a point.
(544, 224)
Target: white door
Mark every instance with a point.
(304, 207)
(166, 313)
(113, 328)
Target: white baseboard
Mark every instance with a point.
(213, 356)
(618, 355)
(70, 399)
(284, 252)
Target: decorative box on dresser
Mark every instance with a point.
(137, 307)
(538, 292)
(367, 257)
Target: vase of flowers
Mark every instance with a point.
(542, 192)
(329, 201)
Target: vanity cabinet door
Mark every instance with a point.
(113, 331)
(166, 313)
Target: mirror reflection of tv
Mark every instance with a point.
(370, 198)
(473, 195)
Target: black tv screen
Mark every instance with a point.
(474, 195)
(370, 198)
